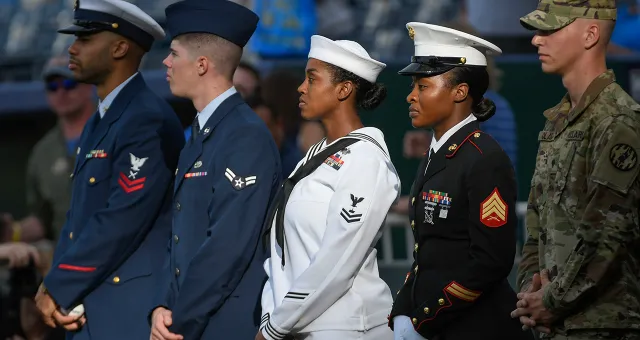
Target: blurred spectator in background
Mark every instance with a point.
(625, 38)
(18, 254)
(502, 126)
(311, 132)
(48, 194)
(19, 317)
(289, 154)
(246, 80)
(53, 157)
(335, 19)
(279, 90)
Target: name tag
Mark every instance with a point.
(546, 136)
(575, 135)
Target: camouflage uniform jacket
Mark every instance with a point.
(48, 183)
(582, 214)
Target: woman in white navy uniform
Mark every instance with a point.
(323, 273)
(463, 199)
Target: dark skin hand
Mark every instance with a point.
(52, 316)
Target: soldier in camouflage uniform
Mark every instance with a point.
(580, 273)
(48, 189)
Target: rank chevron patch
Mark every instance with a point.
(350, 216)
(239, 182)
(493, 210)
(130, 186)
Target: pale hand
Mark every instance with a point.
(19, 254)
(530, 308)
(160, 321)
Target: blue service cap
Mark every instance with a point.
(226, 19)
(118, 16)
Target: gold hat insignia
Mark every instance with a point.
(412, 33)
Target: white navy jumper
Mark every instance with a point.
(332, 222)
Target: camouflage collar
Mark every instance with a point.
(562, 114)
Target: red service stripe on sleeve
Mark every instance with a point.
(77, 268)
(129, 189)
(132, 182)
(130, 186)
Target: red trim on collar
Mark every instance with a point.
(462, 143)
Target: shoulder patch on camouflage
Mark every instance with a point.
(616, 165)
(623, 157)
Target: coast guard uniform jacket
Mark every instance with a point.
(110, 252)
(225, 180)
(332, 222)
(463, 217)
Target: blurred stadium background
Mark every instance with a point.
(28, 38)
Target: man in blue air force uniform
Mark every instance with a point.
(225, 179)
(110, 252)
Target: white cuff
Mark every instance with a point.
(272, 332)
(264, 320)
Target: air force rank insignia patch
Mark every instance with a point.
(239, 182)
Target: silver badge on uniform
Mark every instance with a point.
(434, 198)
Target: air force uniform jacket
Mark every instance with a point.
(225, 180)
(332, 222)
(464, 221)
(107, 257)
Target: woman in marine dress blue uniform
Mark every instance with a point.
(462, 202)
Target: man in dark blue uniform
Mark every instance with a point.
(226, 177)
(110, 252)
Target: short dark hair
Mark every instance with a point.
(477, 78)
(368, 95)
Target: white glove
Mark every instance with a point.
(403, 329)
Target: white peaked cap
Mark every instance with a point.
(118, 16)
(440, 41)
(127, 11)
(346, 54)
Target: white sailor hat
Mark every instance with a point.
(346, 54)
(118, 16)
(439, 49)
